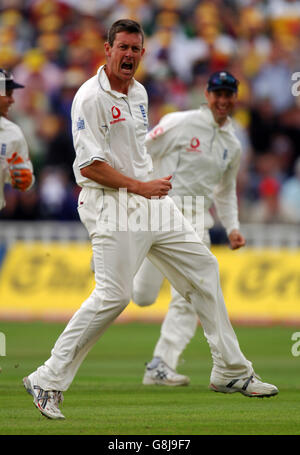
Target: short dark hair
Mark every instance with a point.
(124, 25)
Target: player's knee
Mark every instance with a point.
(124, 301)
(111, 300)
(142, 299)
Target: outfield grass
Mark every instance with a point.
(107, 397)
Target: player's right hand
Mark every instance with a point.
(156, 188)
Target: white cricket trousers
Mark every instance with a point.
(181, 320)
(118, 253)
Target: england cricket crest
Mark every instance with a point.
(80, 124)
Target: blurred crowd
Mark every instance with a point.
(53, 46)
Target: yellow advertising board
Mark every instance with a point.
(51, 280)
(44, 280)
(261, 284)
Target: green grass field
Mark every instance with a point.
(107, 397)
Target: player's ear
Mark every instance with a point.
(107, 49)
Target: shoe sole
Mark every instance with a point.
(29, 389)
(170, 384)
(250, 395)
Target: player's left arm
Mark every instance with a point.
(20, 166)
(163, 144)
(226, 203)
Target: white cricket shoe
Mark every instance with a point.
(47, 401)
(164, 375)
(251, 387)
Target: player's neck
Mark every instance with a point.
(116, 83)
(220, 120)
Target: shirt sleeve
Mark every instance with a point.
(225, 197)
(162, 144)
(88, 132)
(20, 147)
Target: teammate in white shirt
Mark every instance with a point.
(15, 165)
(201, 150)
(109, 116)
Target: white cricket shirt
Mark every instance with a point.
(203, 158)
(110, 126)
(11, 140)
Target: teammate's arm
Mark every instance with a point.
(106, 175)
(225, 199)
(162, 139)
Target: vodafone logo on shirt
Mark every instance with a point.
(194, 145)
(115, 112)
(156, 132)
(116, 115)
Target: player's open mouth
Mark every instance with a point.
(222, 110)
(127, 66)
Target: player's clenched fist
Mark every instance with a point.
(156, 188)
(236, 239)
(20, 172)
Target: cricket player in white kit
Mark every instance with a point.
(201, 150)
(109, 116)
(15, 165)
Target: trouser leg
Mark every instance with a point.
(178, 328)
(193, 271)
(146, 284)
(117, 256)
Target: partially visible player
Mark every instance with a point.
(200, 148)
(15, 165)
